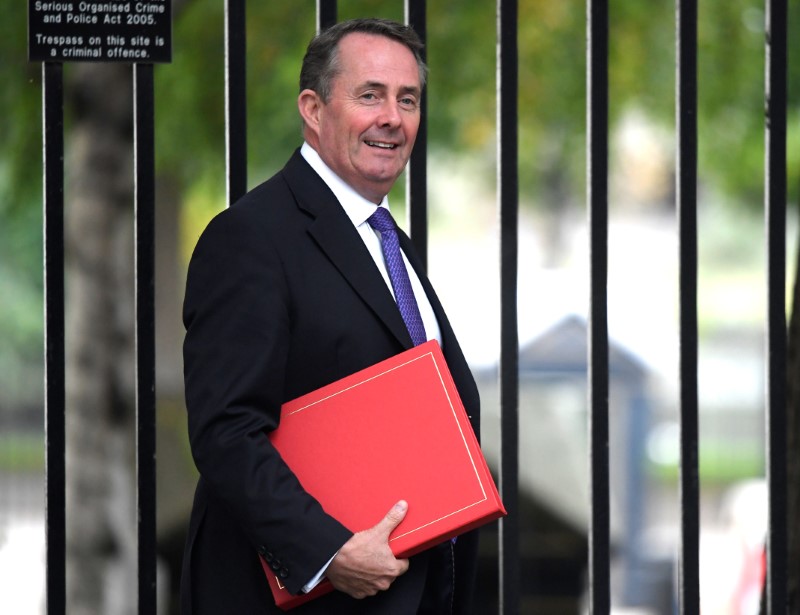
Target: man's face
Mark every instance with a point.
(366, 130)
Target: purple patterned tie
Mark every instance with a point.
(383, 222)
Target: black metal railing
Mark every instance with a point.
(686, 197)
(508, 204)
(597, 12)
(776, 97)
(54, 374)
(145, 274)
(597, 197)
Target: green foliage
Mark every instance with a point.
(277, 35)
(189, 99)
(552, 98)
(461, 85)
(731, 96)
(20, 215)
(462, 52)
(462, 89)
(720, 463)
(22, 452)
(20, 104)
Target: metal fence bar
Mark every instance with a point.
(775, 212)
(144, 232)
(235, 99)
(508, 195)
(326, 14)
(54, 352)
(508, 203)
(597, 186)
(417, 173)
(686, 196)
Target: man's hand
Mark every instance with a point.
(365, 564)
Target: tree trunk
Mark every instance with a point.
(101, 532)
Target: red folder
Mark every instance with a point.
(396, 430)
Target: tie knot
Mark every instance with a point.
(381, 220)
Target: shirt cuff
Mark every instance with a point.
(315, 580)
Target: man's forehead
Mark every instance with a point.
(376, 60)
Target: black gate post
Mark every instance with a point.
(54, 355)
(235, 100)
(597, 186)
(417, 172)
(508, 202)
(326, 14)
(144, 230)
(775, 212)
(686, 196)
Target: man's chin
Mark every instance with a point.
(383, 177)
(375, 189)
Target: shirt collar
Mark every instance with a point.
(357, 208)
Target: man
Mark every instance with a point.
(288, 291)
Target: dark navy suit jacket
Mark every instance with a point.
(283, 297)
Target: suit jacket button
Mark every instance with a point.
(284, 573)
(268, 557)
(262, 551)
(275, 566)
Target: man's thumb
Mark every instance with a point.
(394, 517)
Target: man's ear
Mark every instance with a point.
(309, 104)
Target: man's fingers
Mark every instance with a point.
(365, 565)
(393, 518)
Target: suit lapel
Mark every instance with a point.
(335, 234)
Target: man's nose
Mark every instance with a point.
(390, 115)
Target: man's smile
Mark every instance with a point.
(381, 144)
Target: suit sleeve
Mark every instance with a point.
(236, 313)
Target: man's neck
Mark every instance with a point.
(340, 188)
